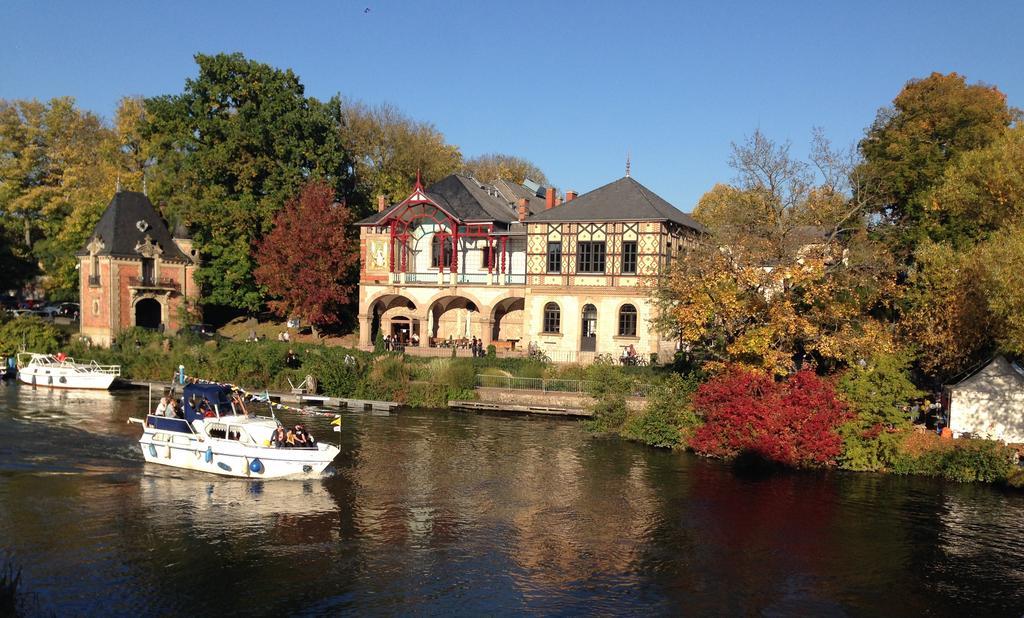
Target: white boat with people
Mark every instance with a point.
(62, 371)
(211, 431)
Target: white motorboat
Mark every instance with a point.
(61, 371)
(216, 435)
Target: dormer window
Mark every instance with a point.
(141, 225)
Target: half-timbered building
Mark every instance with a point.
(513, 265)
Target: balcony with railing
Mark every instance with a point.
(433, 278)
(154, 283)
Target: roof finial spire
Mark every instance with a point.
(117, 189)
(144, 192)
(419, 180)
(627, 164)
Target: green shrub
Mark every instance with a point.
(249, 364)
(978, 460)
(31, 333)
(879, 393)
(387, 379)
(668, 420)
(460, 375)
(336, 377)
(871, 449)
(492, 351)
(963, 460)
(609, 413)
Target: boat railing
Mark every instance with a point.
(95, 367)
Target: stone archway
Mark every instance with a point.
(386, 311)
(456, 318)
(148, 313)
(508, 319)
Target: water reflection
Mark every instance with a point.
(433, 512)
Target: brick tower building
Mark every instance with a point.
(134, 272)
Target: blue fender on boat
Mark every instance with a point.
(209, 454)
(256, 466)
(152, 450)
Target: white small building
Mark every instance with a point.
(989, 403)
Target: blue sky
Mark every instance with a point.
(571, 86)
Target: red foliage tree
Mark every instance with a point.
(309, 259)
(794, 422)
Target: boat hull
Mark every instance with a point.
(225, 458)
(100, 382)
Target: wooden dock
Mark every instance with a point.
(320, 401)
(490, 406)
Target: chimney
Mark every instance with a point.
(570, 196)
(382, 203)
(522, 209)
(549, 202)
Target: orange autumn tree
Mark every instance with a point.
(309, 260)
(787, 272)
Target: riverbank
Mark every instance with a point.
(855, 420)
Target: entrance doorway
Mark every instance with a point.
(588, 339)
(147, 313)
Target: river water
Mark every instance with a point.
(433, 512)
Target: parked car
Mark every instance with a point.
(69, 310)
(50, 311)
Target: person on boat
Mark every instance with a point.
(239, 405)
(172, 408)
(161, 408)
(290, 438)
(279, 439)
(302, 437)
(205, 408)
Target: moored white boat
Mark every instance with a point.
(60, 371)
(217, 436)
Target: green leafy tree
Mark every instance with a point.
(55, 180)
(388, 149)
(240, 140)
(945, 310)
(30, 334)
(1001, 266)
(979, 192)
(931, 122)
(879, 392)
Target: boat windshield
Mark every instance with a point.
(206, 400)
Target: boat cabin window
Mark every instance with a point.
(228, 433)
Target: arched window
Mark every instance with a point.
(627, 321)
(552, 318)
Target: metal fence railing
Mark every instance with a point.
(551, 385)
(513, 383)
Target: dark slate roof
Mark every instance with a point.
(118, 228)
(470, 201)
(622, 200)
